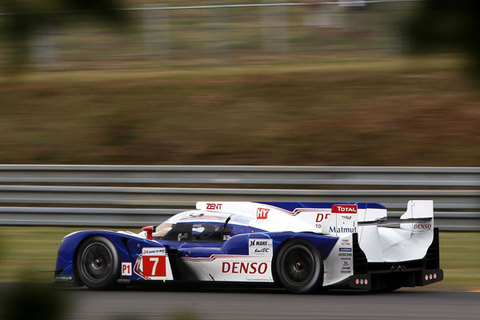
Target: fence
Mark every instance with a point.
(133, 196)
(172, 33)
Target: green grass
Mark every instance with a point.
(32, 250)
(322, 112)
(460, 259)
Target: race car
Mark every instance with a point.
(303, 247)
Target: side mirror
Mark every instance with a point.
(149, 230)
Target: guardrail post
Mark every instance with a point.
(325, 16)
(156, 28)
(217, 34)
(274, 26)
(43, 49)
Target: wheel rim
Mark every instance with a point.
(96, 262)
(298, 265)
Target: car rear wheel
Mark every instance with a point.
(97, 263)
(299, 267)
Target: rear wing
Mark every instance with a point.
(418, 217)
(404, 239)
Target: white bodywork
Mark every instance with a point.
(340, 220)
(275, 219)
(233, 268)
(380, 244)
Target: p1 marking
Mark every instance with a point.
(126, 268)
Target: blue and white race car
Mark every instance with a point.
(302, 247)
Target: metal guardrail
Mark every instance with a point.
(186, 197)
(131, 205)
(267, 175)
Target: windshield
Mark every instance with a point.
(162, 229)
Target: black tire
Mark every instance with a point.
(299, 267)
(97, 263)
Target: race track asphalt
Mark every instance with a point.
(272, 304)
(189, 303)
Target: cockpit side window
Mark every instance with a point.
(162, 229)
(198, 232)
(180, 232)
(207, 232)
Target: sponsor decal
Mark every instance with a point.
(422, 226)
(342, 230)
(344, 254)
(347, 217)
(64, 278)
(344, 208)
(346, 268)
(322, 216)
(126, 268)
(262, 213)
(262, 250)
(260, 247)
(258, 242)
(153, 251)
(214, 206)
(244, 267)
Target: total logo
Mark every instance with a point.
(262, 213)
(344, 208)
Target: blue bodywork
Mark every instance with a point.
(129, 246)
(291, 206)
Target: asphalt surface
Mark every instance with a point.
(273, 304)
(214, 303)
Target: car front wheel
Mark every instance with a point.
(97, 263)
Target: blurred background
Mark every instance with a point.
(238, 82)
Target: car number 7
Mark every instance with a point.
(155, 263)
